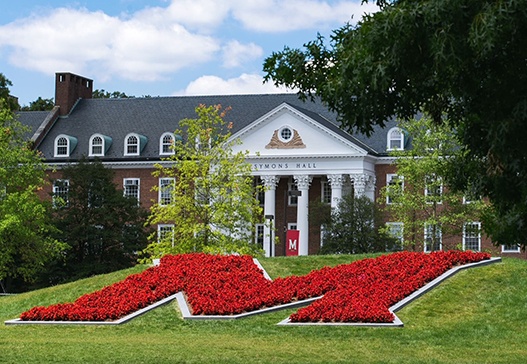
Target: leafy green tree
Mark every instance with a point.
(354, 227)
(462, 58)
(25, 229)
(11, 103)
(103, 94)
(212, 201)
(419, 195)
(39, 104)
(103, 228)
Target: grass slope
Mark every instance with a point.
(478, 316)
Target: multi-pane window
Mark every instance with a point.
(326, 192)
(166, 145)
(395, 187)
(433, 189)
(259, 235)
(433, 237)
(166, 186)
(132, 145)
(96, 146)
(292, 196)
(131, 188)
(510, 248)
(165, 233)
(472, 236)
(60, 193)
(395, 139)
(62, 147)
(395, 229)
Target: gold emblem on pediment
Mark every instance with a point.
(294, 143)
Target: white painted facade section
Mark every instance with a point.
(317, 151)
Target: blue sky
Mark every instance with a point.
(158, 47)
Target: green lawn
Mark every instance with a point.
(478, 316)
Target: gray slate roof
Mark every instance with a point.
(31, 119)
(151, 117)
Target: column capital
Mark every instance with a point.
(270, 181)
(362, 182)
(303, 181)
(335, 180)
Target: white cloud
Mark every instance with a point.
(289, 15)
(97, 44)
(235, 53)
(245, 84)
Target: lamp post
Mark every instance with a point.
(288, 193)
(270, 219)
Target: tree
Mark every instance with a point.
(462, 58)
(354, 228)
(103, 94)
(419, 195)
(25, 242)
(10, 102)
(39, 104)
(103, 228)
(210, 197)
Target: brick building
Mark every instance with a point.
(293, 146)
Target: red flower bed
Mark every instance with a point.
(224, 285)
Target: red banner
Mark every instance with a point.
(292, 240)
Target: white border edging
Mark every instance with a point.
(185, 310)
(399, 305)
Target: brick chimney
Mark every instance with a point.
(69, 88)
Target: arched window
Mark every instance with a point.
(395, 139)
(134, 144)
(99, 145)
(166, 143)
(96, 146)
(64, 145)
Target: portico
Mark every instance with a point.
(291, 150)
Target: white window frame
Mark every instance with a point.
(169, 229)
(426, 233)
(429, 194)
(92, 145)
(396, 230)
(127, 144)
(508, 249)
(292, 200)
(66, 146)
(163, 143)
(389, 178)
(132, 182)
(390, 141)
(163, 190)
(259, 235)
(57, 192)
(325, 192)
(466, 235)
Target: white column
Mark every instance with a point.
(270, 183)
(302, 222)
(364, 185)
(335, 181)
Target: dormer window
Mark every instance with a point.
(166, 144)
(99, 145)
(64, 145)
(134, 144)
(395, 139)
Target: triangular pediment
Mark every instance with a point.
(288, 131)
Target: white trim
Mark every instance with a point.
(389, 140)
(426, 233)
(169, 230)
(138, 184)
(102, 146)
(478, 234)
(67, 146)
(127, 144)
(162, 144)
(505, 250)
(159, 196)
